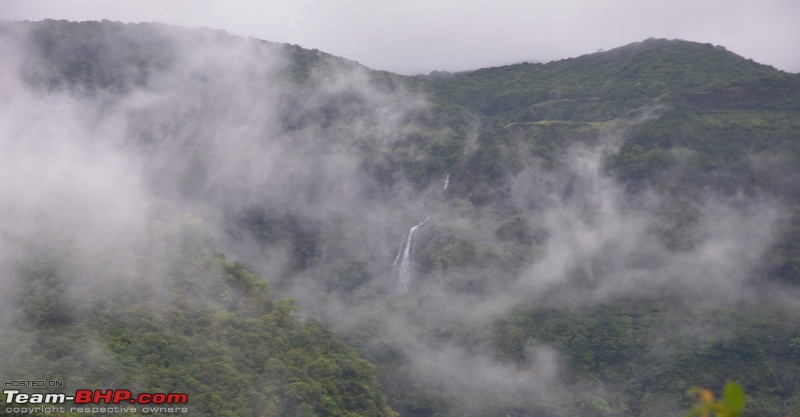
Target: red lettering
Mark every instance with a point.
(105, 396)
(110, 396)
(178, 398)
(121, 395)
(83, 396)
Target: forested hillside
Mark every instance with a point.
(592, 236)
(208, 327)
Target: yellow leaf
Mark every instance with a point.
(704, 396)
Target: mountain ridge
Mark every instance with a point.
(603, 232)
(631, 75)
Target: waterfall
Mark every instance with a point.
(446, 182)
(400, 251)
(404, 272)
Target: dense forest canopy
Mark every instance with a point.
(590, 236)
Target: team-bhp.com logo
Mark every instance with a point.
(87, 400)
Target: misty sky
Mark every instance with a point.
(416, 36)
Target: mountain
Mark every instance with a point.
(192, 323)
(603, 85)
(592, 236)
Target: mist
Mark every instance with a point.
(307, 173)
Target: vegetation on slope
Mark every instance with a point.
(603, 85)
(693, 124)
(209, 328)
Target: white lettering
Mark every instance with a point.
(55, 398)
(10, 395)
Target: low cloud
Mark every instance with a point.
(297, 173)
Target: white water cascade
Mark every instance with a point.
(446, 182)
(404, 258)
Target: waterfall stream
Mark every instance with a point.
(404, 257)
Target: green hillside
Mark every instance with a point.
(592, 236)
(604, 85)
(209, 328)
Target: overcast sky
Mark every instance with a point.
(418, 36)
